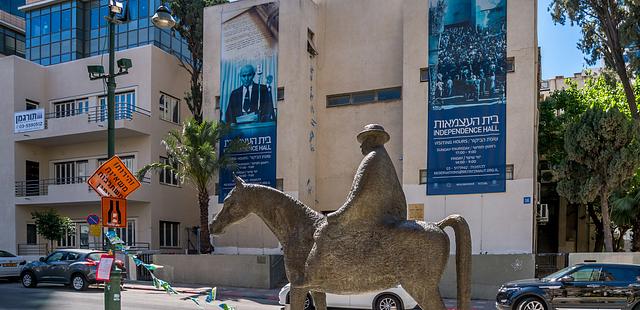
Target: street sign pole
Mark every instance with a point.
(112, 289)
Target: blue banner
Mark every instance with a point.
(467, 97)
(248, 99)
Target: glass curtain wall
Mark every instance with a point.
(77, 29)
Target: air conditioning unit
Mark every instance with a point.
(546, 176)
(542, 213)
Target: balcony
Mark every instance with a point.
(68, 191)
(89, 124)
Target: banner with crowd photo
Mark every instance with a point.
(466, 151)
(248, 85)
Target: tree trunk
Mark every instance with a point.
(599, 242)
(606, 221)
(635, 229)
(203, 202)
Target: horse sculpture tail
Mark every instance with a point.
(463, 258)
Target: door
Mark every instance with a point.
(583, 291)
(32, 234)
(32, 173)
(47, 271)
(619, 284)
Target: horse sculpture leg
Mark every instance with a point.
(319, 300)
(297, 297)
(426, 294)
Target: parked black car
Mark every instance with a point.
(583, 286)
(74, 267)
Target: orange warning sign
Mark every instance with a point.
(114, 212)
(113, 179)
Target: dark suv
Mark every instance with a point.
(583, 286)
(74, 267)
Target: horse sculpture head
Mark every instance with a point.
(236, 207)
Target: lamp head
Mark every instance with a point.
(115, 6)
(124, 64)
(163, 19)
(95, 71)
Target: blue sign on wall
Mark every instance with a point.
(467, 97)
(248, 84)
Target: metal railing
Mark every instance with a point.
(548, 263)
(33, 249)
(41, 187)
(43, 248)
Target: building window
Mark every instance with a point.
(125, 105)
(32, 234)
(280, 184)
(31, 105)
(68, 240)
(71, 107)
(423, 176)
(70, 172)
(169, 108)
(169, 234)
(371, 96)
(424, 74)
(128, 235)
(509, 172)
(217, 102)
(280, 94)
(511, 64)
(128, 160)
(167, 176)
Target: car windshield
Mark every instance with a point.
(6, 254)
(95, 256)
(558, 274)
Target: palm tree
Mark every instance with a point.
(193, 157)
(626, 213)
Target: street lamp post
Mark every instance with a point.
(112, 296)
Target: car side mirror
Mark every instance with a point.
(566, 279)
(42, 259)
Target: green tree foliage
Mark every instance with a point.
(625, 211)
(190, 24)
(602, 153)
(610, 31)
(52, 226)
(567, 105)
(194, 159)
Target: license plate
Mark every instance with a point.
(9, 265)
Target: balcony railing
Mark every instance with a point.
(99, 114)
(41, 187)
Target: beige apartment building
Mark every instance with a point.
(47, 168)
(336, 48)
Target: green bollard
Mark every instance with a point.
(112, 295)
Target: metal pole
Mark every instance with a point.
(112, 295)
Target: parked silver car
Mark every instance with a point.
(10, 265)
(74, 267)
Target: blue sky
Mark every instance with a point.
(560, 55)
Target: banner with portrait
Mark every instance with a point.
(466, 148)
(248, 86)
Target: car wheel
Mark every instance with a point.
(28, 279)
(531, 303)
(308, 304)
(387, 302)
(78, 282)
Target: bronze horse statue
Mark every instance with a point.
(410, 253)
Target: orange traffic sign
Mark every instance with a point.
(114, 212)
(113, 179)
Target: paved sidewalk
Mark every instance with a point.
(265, 294)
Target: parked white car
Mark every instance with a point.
(390, 299)
(10, 265)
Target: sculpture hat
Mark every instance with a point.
(375, 131)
